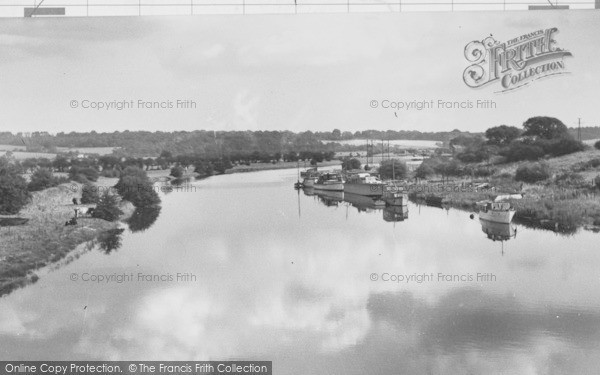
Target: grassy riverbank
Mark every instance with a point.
(45, 239)
(563, 203)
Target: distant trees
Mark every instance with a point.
(532, 172)
(393, 168)
(502, 135)
(472, 149)
(542, 136)
(107, 207)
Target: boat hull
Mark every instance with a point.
(497, 216)
(369, 190)
(329, 186)
(309, 182)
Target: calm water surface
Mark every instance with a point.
(287, 277)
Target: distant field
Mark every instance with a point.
(11, 148)
(19, 155)
(88, 150)
(591, 142)
(398, 142)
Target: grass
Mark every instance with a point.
(45, 239)
(563, 207)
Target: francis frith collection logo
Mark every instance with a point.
(514, 63)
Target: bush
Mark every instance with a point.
(42, 179)
(597, 145)
(83, 174)
(111, 173)
(89, 194)
(107, 207)
(13, 193)
(597, 182)
(518, 151)
(562, 146)
(532, 172)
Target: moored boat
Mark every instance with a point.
(364, 184)
(310, 177)
(498, 212)
(330, 182)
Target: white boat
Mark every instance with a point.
(364, 184)
(329, 182)
(497, 212)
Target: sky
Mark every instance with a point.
(313, 72)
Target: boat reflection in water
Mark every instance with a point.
(330, 198)
(309, 191)
(395, 213)
(363, 203)
(498, 231)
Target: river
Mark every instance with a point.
(242, 266)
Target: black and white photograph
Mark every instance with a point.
(299, 192)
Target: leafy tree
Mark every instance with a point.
(393, 169)
(107, 207)
(545, 127)
(41, 179)
(597, 145)
(177, 172)
(60, 163)
(143, 218)
(424, 171)
(89, 194)
(349, 164)
(13, 192)
(135, 186)
(502, 135)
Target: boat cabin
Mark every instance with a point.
(486, 206)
